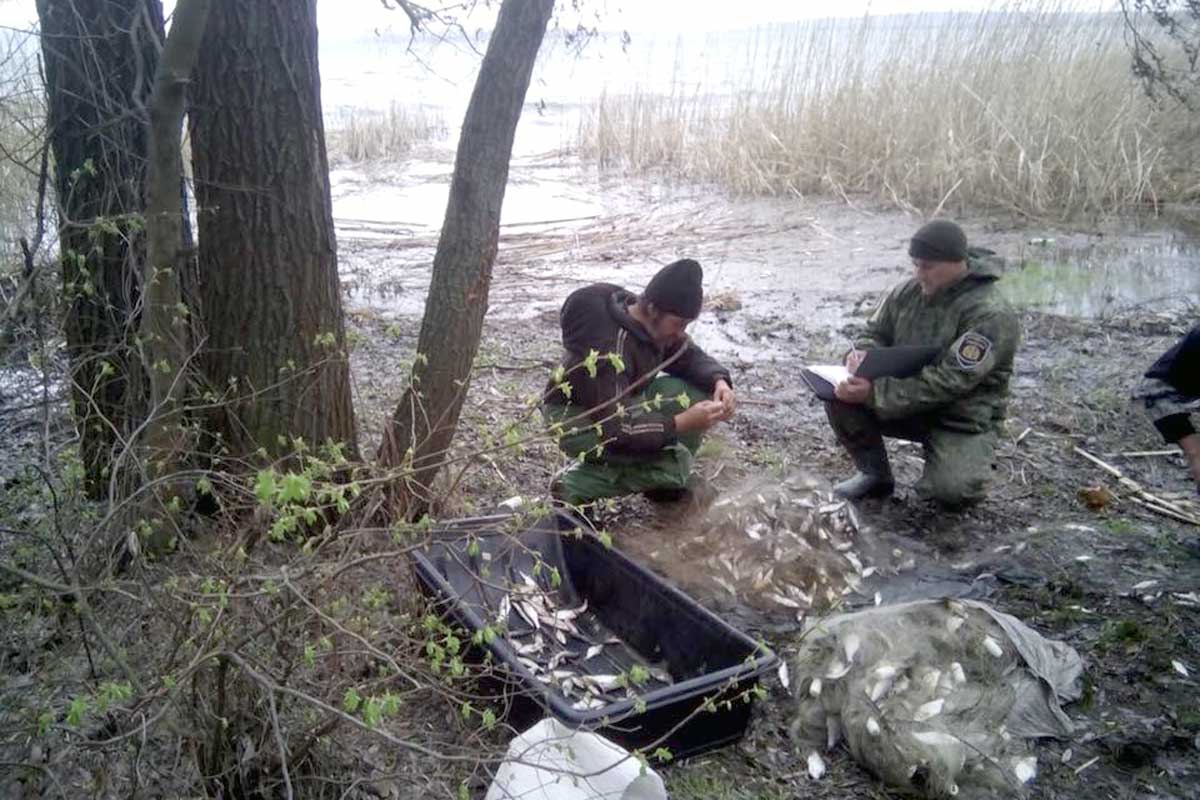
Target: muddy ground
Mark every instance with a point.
(788, 283)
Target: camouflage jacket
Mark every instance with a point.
(966, 389)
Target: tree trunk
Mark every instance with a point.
(270, 298)
(425, 420)
(165, 319)
(100, 57)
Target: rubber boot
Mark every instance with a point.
(873, 479)
(698, 493)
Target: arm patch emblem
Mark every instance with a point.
(972, 349)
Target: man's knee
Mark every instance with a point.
(854, 425)
(956, 492)
(957, 470)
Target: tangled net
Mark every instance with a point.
(935, 697)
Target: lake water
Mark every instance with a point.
(1076, 275)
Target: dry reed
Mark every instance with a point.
(371, 136)
(1028, 108)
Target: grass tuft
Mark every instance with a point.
(375, 136)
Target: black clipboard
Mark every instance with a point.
(901, 361)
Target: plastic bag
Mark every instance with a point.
(552, 762)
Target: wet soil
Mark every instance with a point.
(789, 281)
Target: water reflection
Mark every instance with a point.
(1108, 277)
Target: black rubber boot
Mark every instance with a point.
(873, 479)
(698, 492)
(662, 495)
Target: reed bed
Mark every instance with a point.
(372, 135)
(1029, 108)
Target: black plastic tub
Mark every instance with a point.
(713, 668)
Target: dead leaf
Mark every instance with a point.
(1096, 497)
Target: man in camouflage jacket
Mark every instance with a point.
(955, 406)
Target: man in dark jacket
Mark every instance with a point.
(955, 406)
(1170, 393)
(630, 429)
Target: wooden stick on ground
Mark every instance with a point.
(1139, 494)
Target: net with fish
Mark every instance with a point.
(780, 544)
(938, 697)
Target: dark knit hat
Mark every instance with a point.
(676, 289)
(940, 240)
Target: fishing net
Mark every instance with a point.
(937, 697)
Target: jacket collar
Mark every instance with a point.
(618, 307)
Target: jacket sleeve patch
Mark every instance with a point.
(971, 350)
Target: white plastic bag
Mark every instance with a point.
(552, 762)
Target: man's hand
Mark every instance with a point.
(853, 390)
(723, 394)
(853, 359)
(699, 416)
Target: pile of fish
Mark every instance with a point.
(784, 544)
(569, 650)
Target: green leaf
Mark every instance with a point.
(466, 710)
(295, 488)
(264, 487)
(617, 362)
(558, 375)
(204, 487)
(683, 400)
(638, 674)
(663, 755)
(310, 655)
(489, 719)
(590, 363)
(372, 713)
(352, 700)
(76, 711)
(605, 539)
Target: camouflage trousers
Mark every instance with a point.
(957, 464)
(595, 477)
(1160, 399)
